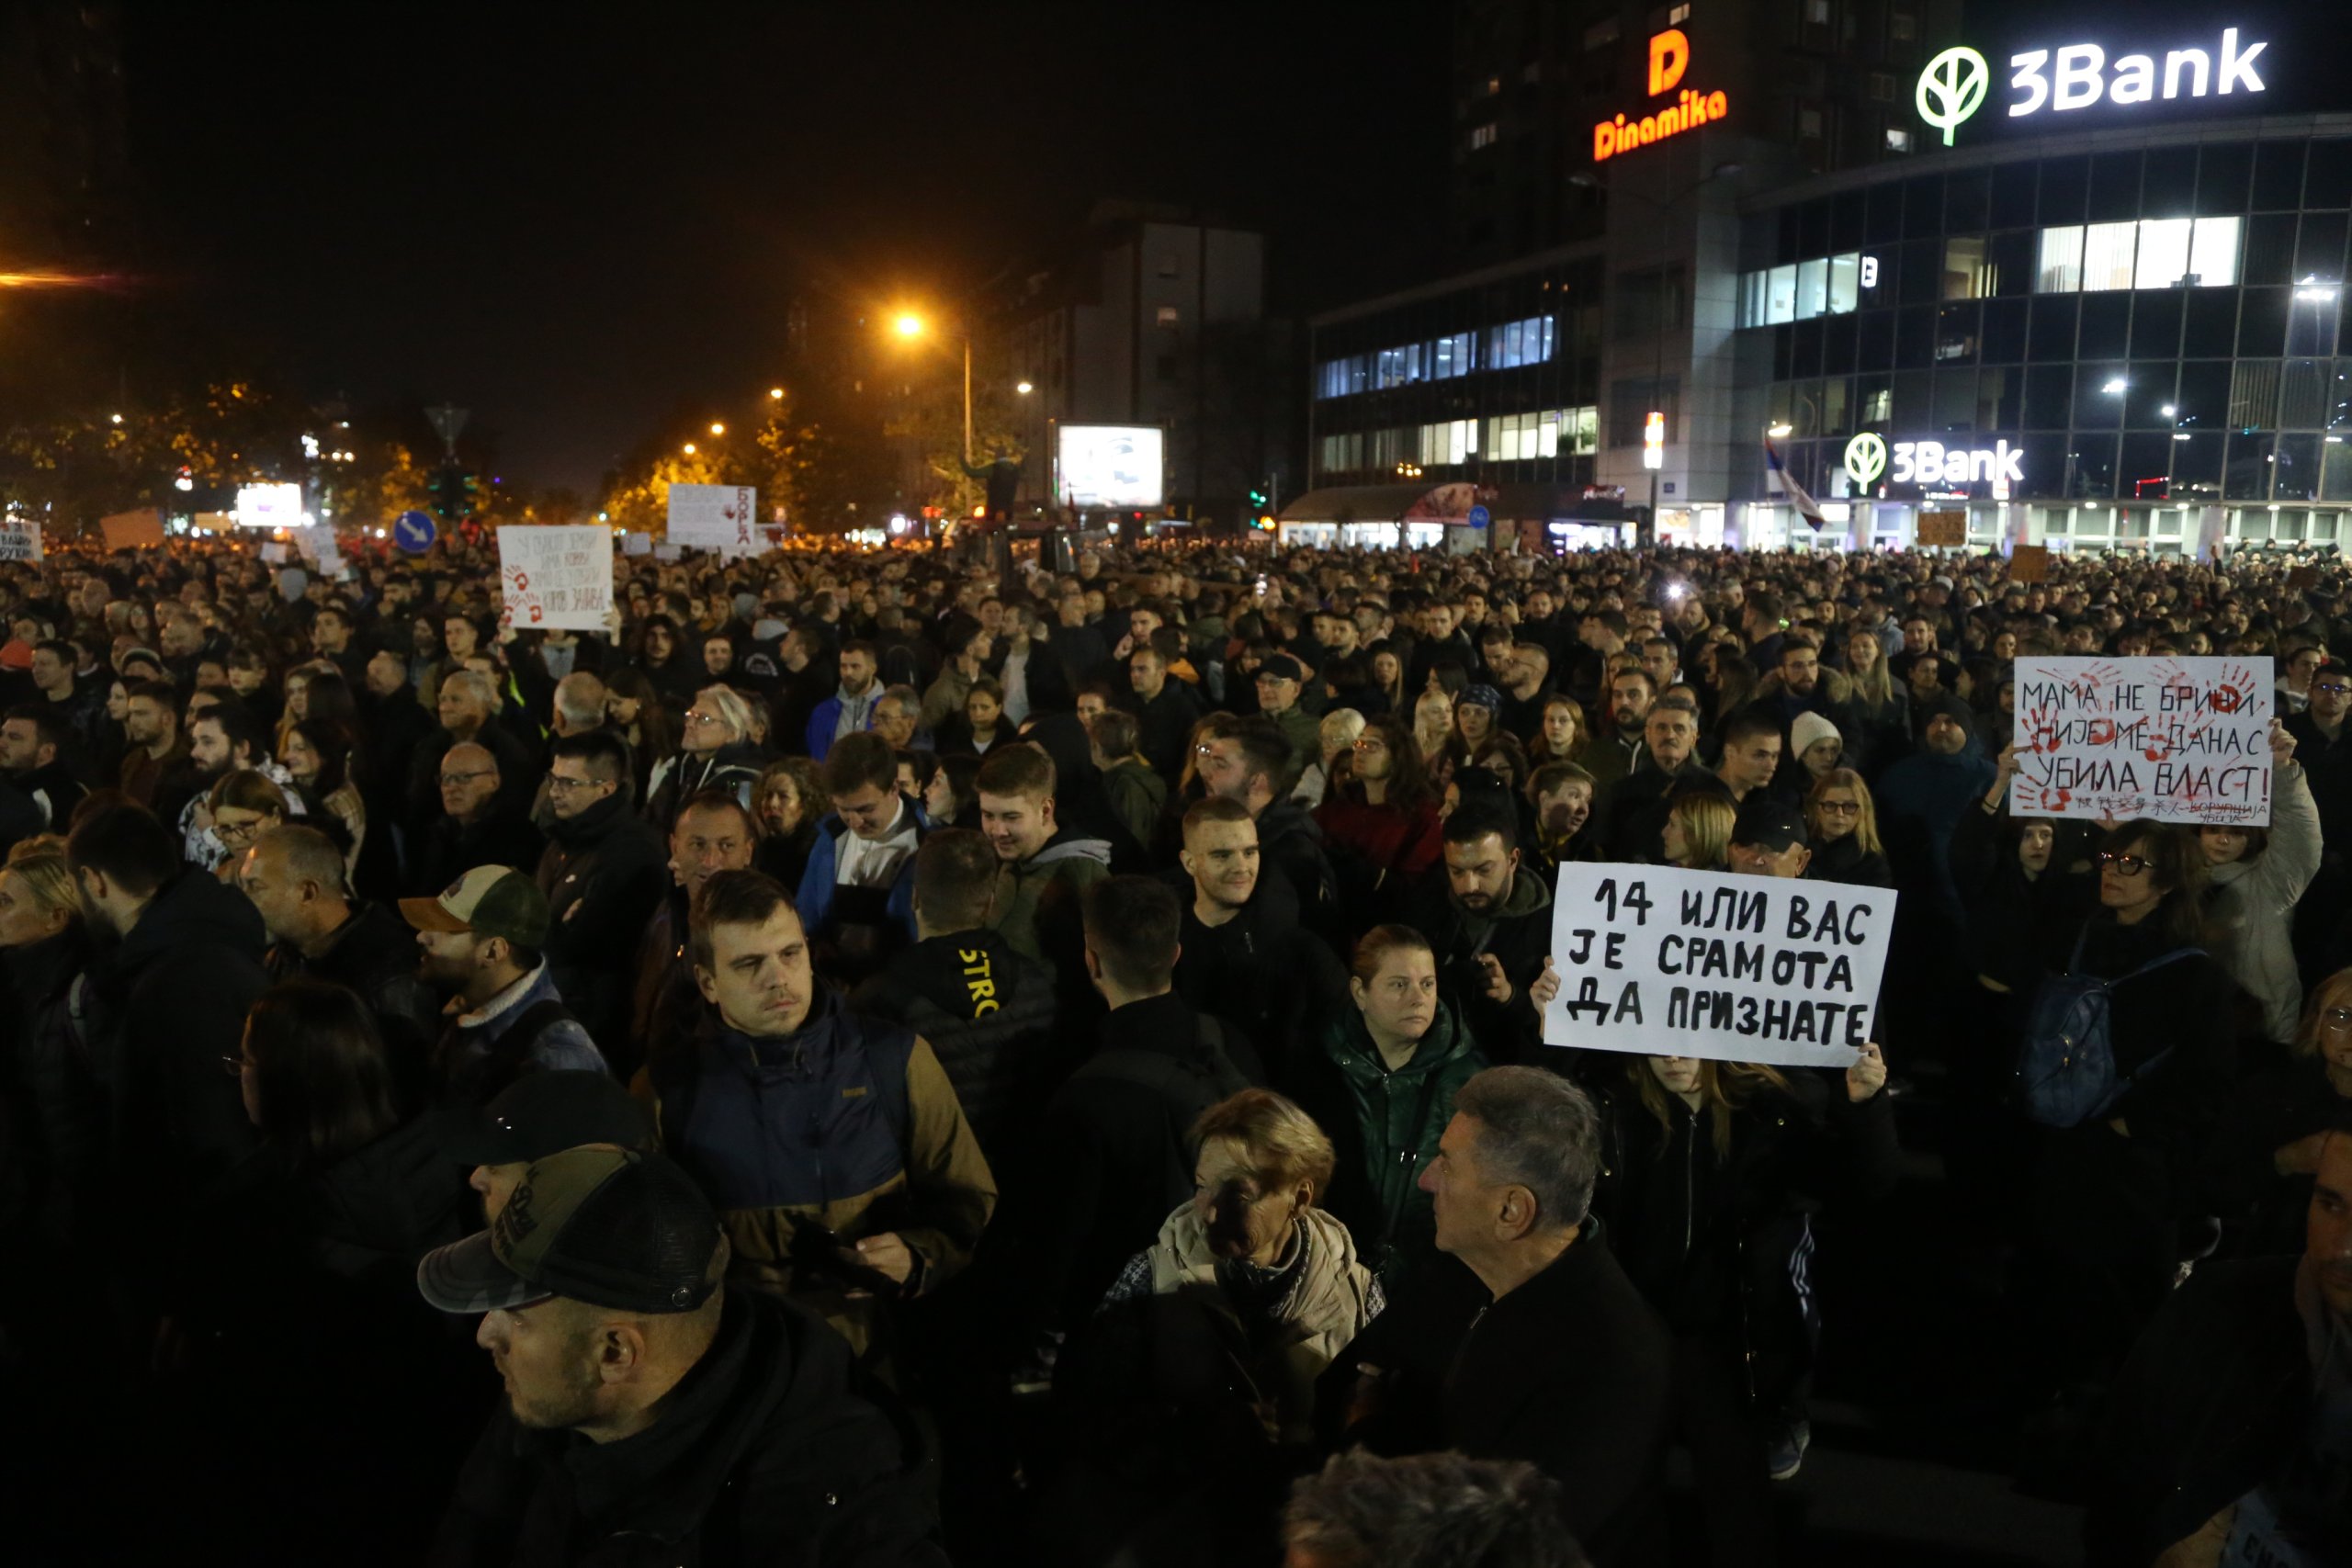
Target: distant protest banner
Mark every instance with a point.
(131, 530)
(556, 577)
(2178, 740)
(20, 540)
(717, 517)
(636, 544)
(1671, 962)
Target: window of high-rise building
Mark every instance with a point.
(1482, 136)
(1168, 316)
(1898, 139)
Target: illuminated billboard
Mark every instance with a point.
(269, 506)
(1112, 464)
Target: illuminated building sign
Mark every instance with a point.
(2079, 76)
(1670, 58)
(1932, 463)
(1653, 440)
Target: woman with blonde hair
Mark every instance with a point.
(1335, 735)
(43, 947)
(1841, 820)
(1253, 1234)
(1698, 832)
(1561, 734)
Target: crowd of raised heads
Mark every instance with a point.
(875, 1058)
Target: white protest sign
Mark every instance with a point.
(20, 541)
(668, 553)
(2177, 739)
(273, 554)
(636, 544)
(715, 517)
(1671, 963)
(560, 577)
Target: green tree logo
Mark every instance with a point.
(1953, 88)
(1865, 458)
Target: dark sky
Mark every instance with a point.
(571, 220)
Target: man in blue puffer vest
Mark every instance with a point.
(831, 1144)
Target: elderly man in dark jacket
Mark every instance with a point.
(691, 1424)
(604, 874)
(1540, 1348)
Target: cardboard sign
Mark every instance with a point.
(556, 577)
(2029, 563)
(2177, 739)
(1943, 528)
(717, 517)
(2303, 576)
(1671, 963)
(20, 541)
(132, 530)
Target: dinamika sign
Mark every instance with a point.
(1670, 58)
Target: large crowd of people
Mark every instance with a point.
(872, 1058)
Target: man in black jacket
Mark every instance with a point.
(1567, 1367)
(1254, 764)
(2218, 1430)
(1165, 711)
(1629, 819)
(295, 877)
(986, 1010)
(603, 873)
(648, 1409)
(1489, 924)
(478, 824)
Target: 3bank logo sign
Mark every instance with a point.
(1953, 88)
(1955, 85)
(1865, 458)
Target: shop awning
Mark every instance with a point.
(1451, 503)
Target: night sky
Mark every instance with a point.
(575, 222)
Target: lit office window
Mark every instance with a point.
(2107, 255)
(2164, 253)
(1781, 295)
(2061, 270)
(1813, 289)
(1844, 283)
(2213, 254)
(1483, 136)
(1751, 298)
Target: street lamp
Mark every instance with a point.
(776, 394)
(909, 325)
(1662, 206)
(1023, 388)
(688, 448)
(717, 428)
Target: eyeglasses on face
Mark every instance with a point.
(450, 781)
(2338, 1021)
(2333, 688)
(2125, 865)
(562, 785)
(1838, 807)
(696, 716)
(238, 1066)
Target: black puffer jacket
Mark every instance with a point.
(58, 1113)
(374, 954)
(989, 1017)
(763, 1454)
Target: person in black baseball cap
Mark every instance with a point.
(1768, 838)
(538, 1115)
(718, 1424)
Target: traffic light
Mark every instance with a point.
(453, 495)
(1258, 499)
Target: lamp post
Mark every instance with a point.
(1662, 207)
(909, 325)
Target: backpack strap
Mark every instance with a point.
(2175, 956)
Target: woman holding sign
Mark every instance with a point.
(1714, 1172)
(2257, 876)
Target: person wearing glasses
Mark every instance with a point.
(604, 874)
(1842, 822)
(242, 806)
(2109, 1199)
(717, 753)
(477, 825)
(2257, 1173)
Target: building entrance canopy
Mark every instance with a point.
(1451, 503)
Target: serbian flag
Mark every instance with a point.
(1783, 485)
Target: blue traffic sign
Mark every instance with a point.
(1480, 517)
(414, 532)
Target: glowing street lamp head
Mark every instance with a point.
(717, 428)
(1024, 388)
(776, 393)
(690, 448)
(908, 325)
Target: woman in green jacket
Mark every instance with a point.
(1382, 1087)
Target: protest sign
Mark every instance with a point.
(273, 554)
(558, 577)
(717, 517)
(20, 541)
(668, 553)
(2178, 740)
(1943, 528)
(2029, 563)
(1671, 963)
(129, 530)
(636, 544)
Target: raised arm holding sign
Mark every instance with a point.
(1666, 962)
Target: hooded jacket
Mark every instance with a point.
(845, 1128)
(763, 1454)
(1290, 843)
(525, 1028)
(603, 873)
(1518, 932)
(1921, 800)
(820, 891)
(989, 1015)
(826, 718)
(1037, 899)
(2252, 903)
(1383, 1126)
(734, 769)
(164, 1006)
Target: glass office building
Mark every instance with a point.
(2138, 339)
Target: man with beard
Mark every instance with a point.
(1617, 751)
(602, 874)
(1241, 954)
(32, 747)
(1490, 927)
(647, 1401)
(155, 772)
(849, 710)
(396, 722)
(482, 941)
(224, 738)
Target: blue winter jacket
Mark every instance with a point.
(814, 899)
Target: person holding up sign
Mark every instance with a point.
(1491, 930)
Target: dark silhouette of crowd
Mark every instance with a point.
(878, 1058)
